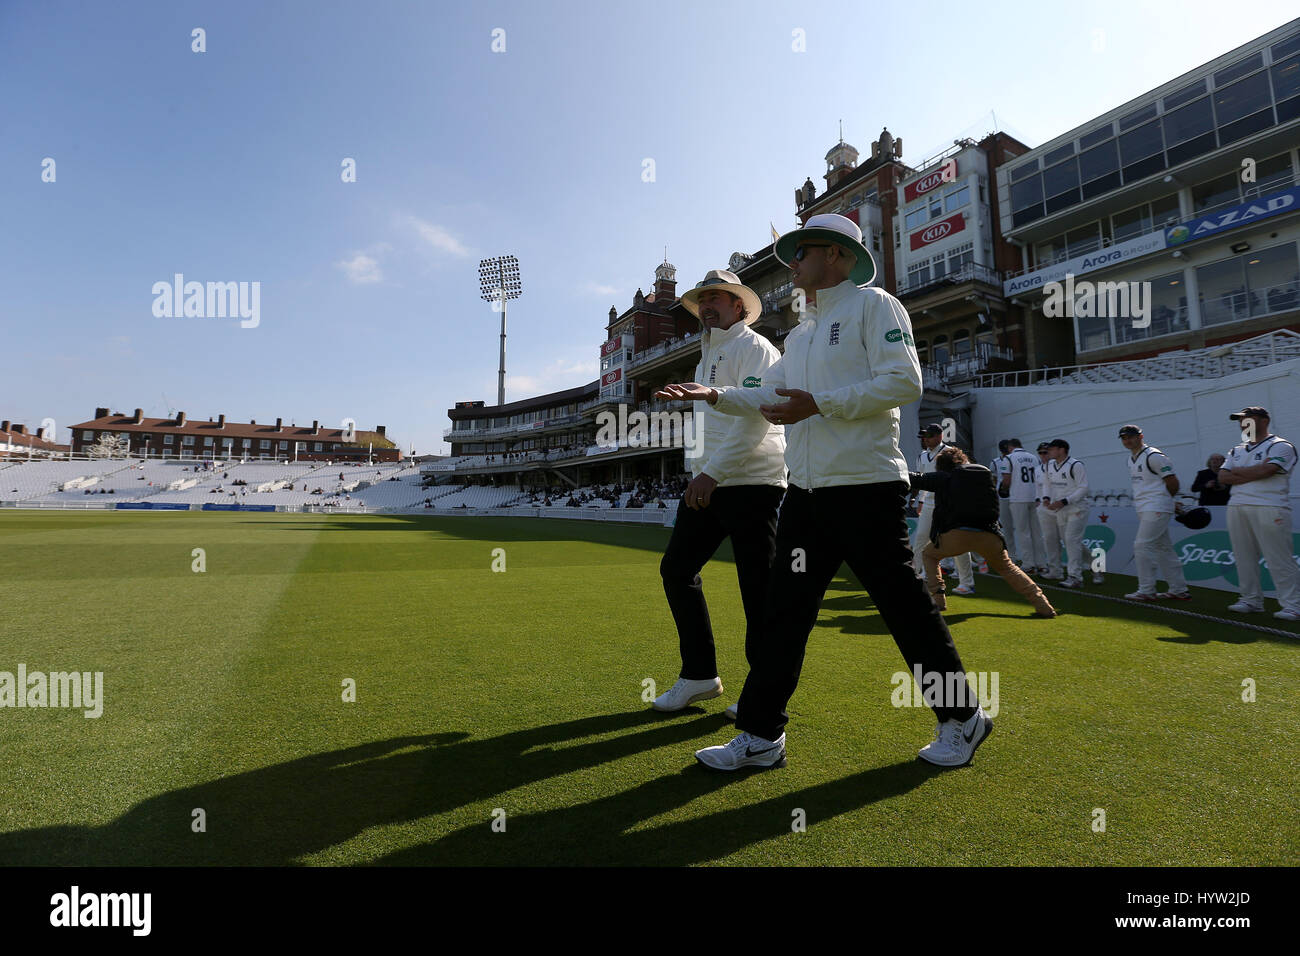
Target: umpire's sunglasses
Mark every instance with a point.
(799, 253)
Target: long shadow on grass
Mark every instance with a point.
(277, 814)
(602, 832)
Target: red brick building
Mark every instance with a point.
(181, 437)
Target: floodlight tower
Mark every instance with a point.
(499, 280)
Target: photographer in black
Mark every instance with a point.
(966, 519)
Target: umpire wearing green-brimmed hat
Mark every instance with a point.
(835, 230)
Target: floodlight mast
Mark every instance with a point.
(499, 281)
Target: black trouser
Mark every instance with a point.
(863, 526)
(746, 514)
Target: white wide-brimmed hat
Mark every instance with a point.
(721, 280)
(837, 230)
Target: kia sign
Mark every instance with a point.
(944, 174)
(610, 347)
(1130, 249)
(1249, 212)
(609, 378)
(939, 230)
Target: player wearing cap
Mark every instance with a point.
(738, 468)
(1259, 514)
(1001, 468)
(1067, 513)
(1154, 485)
(1021, 485)
(932, 444)
(1040, 488)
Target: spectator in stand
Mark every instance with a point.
(1207, 483)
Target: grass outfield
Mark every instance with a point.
(521, 691)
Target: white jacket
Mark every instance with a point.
(744, 449)
(853, 351)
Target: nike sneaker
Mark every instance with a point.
(730, 713)
(955, 743)
(686, 692)
(963, 590)
(1286, 615)
(1071, 583)
(745, 750)
(1174, 596)
(1140, 596)
(1241, 607)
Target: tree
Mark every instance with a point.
(110, 446)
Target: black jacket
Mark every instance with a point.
(1210, 496)
(966, 497)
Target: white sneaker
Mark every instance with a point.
(1071, 583)
(963, 590)
(955, 742)
(1241, 607)
(1285, 615)
(1049, 575)
(745, 750)
(1174, 596)
(686, 692)
(1140, 596)
(730, 713)
(1098, 578)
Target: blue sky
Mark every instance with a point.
(225, 166)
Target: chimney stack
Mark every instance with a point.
(381, 429)
(180, 419)
(40, 434)
(139, 417)
(279, 424)
(221, 421)
(20, 429)
(4, 425)
(101, 412)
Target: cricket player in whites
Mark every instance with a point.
(1001, 468)
(932, 444)
(1259, 514)
(738, 468)
(1154, 487)
(1067, 514)
(1021, 484)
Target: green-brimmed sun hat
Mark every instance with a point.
(837, 230)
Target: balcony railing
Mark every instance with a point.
(961, 368)
(971, 272)
(662, 349)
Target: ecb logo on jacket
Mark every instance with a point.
(713, 374)
(835, 334)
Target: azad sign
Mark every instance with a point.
(1243, 214)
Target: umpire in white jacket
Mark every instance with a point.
(737, 465)
(848, 366)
